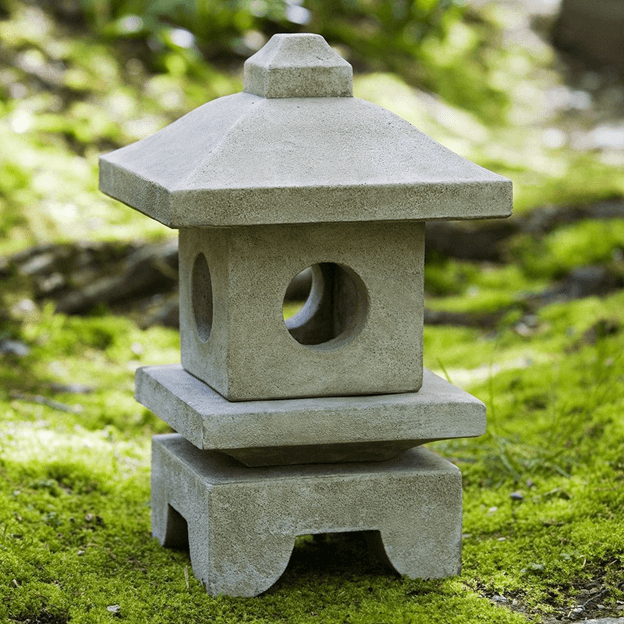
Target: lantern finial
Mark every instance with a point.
(298, 65)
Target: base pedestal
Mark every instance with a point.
(242, 522)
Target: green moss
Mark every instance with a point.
(581, 244)
(74, 487)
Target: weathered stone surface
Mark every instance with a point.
(295, 174)
(309, 430)
(298, 65)
(247, 160)
(242, 522)
(361, 332)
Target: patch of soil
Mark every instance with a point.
(588, 600)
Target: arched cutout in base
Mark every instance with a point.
(176, 533)
(341, 553)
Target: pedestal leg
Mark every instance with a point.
(227, 554)
(237, 567)
(419, 556)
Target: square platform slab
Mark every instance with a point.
(242, 522)
(325, 429)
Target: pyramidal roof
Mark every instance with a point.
(296, 147)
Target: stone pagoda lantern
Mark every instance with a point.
(302, 426)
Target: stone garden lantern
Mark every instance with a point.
(302, 426)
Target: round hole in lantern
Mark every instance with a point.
(335, 309)
(201, 293)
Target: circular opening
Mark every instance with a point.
(325, 304)
(201, 294)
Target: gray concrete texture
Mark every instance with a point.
(297, 66)
(317, 430)
(360, 333)
(246, 159)
(242, 522)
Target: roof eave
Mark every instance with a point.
(146, 196)
(265, 206)
(227, 207)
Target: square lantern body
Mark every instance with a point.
(360, 331)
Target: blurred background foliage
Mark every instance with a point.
(83, 77)
(374, 35)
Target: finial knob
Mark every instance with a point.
(298, 65)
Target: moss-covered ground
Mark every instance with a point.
(543, 489)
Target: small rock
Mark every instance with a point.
(113, 608)
(136, 348)
(14, 347)
(38, 264)
(523, 330)
(50, 284)
(516, 496)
